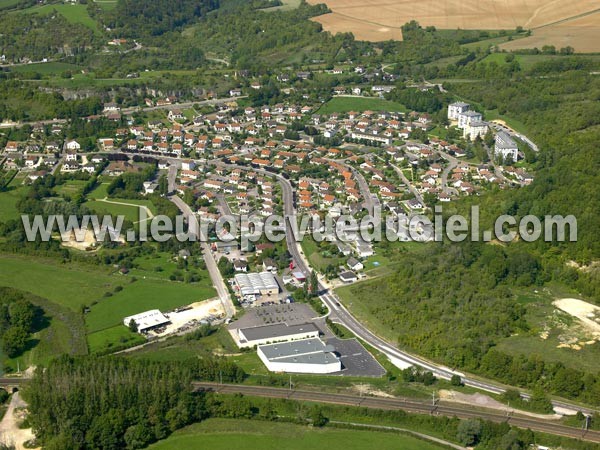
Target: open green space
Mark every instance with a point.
(130, 211)
(73, 13)
(62, 333)
(106, 5)
(67, 284)
(142, 296)
(99, 191)
(226, 434)
(8, 202)
(359, 104)
(8, 3)
(319, 258)
(70, 187)
(118, 335)
(286, 6)
(49, 68)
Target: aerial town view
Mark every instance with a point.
(291, 224)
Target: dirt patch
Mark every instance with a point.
(588, 314)
(10, 433)
(378, 20)
(485, 401)
(367, 389)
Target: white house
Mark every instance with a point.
(73, 145)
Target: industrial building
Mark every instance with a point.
(147, 320)
(253, 284)
(280, 332)
(304, 356)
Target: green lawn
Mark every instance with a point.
(144, 295)
(131, 212)
(245, 434)
(316, 257)
(359, 104)
(99, 191)
(117, 335)
(69, 285)
(106, 5)
(70, 187)
(49, 68)
(8, 3)
(286, 6)
(73, 13)
(64, 333)
(8, 202)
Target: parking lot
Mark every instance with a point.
(356, 360)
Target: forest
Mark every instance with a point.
(19, 318)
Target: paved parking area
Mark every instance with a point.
(356, 360)
(292, 314)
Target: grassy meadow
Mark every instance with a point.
(219, 434)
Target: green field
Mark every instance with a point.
(68, 284)
(73, 13)
(8, 202)
(117, 335)
(317, 258)
(106, 5)
(70, 187)
(64, 333)
(245, 434)
(8, 3)
(100, 191)
(144, 295)
(131, 212)
(358, 104)
(49, 68)
(286, 6)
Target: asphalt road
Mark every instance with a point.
(339, 314)
(415, 406)
(211, 264)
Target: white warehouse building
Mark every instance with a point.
(147, 320)
(263, 283)
(304, 356)
(279, 332)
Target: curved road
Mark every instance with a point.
(340, 314)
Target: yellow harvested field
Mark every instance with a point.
(378, 20)
(583, 34)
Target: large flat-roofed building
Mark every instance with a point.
(506, 146)
(252, 284)
(147, 320)
(279, 332)
(304, 356)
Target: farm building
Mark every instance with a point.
(147, 320)
(304, 356)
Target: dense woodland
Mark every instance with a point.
(19, 318)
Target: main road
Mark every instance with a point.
(414, 406)
(338, 313)
(211, 264)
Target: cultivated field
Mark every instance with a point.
(378, 20)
